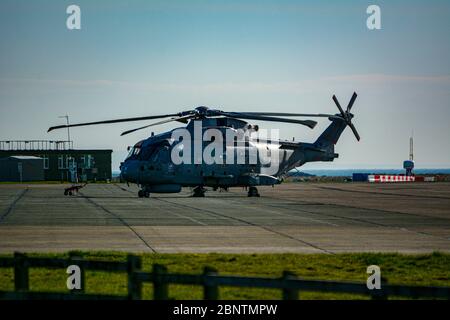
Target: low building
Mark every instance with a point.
(21, 168)
(60, 162)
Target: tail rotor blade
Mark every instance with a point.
(339, 106)
(352, 101)
(354, 131)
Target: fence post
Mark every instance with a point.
(73, 259)
(160, 286)
(134, 285)
(20, 272)
(210, 288)
(288, 293)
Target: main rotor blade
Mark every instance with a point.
(157, 123)
(281, 114)
(112, 121)
(339, 106)
(354, 131)
(352, 101)
(309, 123)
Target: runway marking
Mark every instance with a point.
(303, 202)
(118, 218)
(11, 206)
(366, 221)
(174, 213)
(295, 216)
(249, 223)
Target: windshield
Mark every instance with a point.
(134, 152)
(149, 152)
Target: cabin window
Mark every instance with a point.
(147, 152)
(162, 155)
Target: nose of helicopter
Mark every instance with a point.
(128, 172)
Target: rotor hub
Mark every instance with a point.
(202, 110)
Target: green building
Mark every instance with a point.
(60, 161)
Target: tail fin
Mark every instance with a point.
(331, 134)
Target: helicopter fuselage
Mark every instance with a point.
(150, 162)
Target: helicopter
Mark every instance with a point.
(154, 163)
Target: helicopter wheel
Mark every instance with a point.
(141, 194)
(253, 192)
(199, 192)
(146, 194)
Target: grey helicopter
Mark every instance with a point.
(152, 166)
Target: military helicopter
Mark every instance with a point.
(151, 165)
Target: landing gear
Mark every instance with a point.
(143, 194)
(199, 192)
(253, 192)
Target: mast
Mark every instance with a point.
(411, 149)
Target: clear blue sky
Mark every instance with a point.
(134, 58)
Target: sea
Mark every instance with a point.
(349, 172)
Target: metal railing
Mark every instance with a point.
(210, 280)
(33, 145)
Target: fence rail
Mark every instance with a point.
(210, 280)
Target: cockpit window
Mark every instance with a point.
(158, 152)
(134, 152)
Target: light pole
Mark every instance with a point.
(68, 130)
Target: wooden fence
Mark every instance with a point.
(210, 280)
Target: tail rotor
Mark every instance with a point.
(347, 115)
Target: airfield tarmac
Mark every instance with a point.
(293, 217)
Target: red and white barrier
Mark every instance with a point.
(390, 178)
